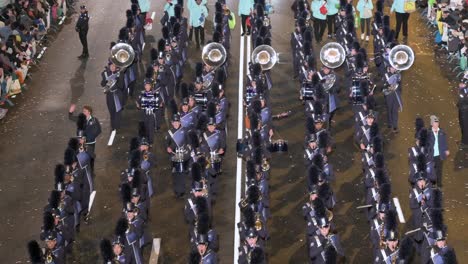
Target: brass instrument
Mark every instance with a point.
(168, 57)
(382, 244)
(265, 165)
(205, 187)
(49, 256)
(244, 203)
(401, 57)
(214, 54)
(227, 11)
(258, 222)
(266, 56)
(122, 55)
(145, 156)
(329, 214)
(332, 55)
(155, 77)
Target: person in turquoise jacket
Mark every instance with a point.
(169, 8)
(320, 18)
(144, 6)
(402, 17)
(365, 8)
(198, 15)
(245, 8)
(332, 11)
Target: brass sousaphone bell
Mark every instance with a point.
(401, 57)
(122, 55)
(266, 56)
(214, 54)
(332, 55)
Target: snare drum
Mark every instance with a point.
(178, 164)
(279, 146)
(216, 164)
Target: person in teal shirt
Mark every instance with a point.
(320, 20)
(169, 8)
(402, 17)
(198, 15)
(365, 8)
(245, 8)
(332, 11)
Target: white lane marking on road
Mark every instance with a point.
(240, 119)
(111, 139)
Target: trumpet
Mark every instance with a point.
(49, 257)
(382, 244)
(82, 147)
(145, 156)
(258, 222)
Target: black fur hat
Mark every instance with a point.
(211, 110)
(380, 177)
(349, 9)
(256, 69)
(178, 11)
(257, 106)
(74, 144)
(176, 29)
(319, 208)
(69, 157)
(258, 41)
(356, 46)
(313, 175)
(315, 79)
(310, 125)
(59, 173)
(81, 122)
(165, 32)
(123, 34)
(121, 227)
(260, 11)
(125, 193)
(134, 159)
(217, 37)
(54, 199)
(149, 70)
(249, 217)
(173, 107)
(307, 48)
(374, 130)
(360, 62)
(48, 221)
(201, 123)
(423, 137)
(323, 140)
(343, 4)
(391, 225)
(386, 21)
(250, 168)
(267, 41)
(437, 202)
(134, 144)
(406, 247)
(385, 191)
(196, 171)
(141, 130)
(198, 69)
(258, 156)
(106, 251)
(324, 191)
(130, 22)
(193, 138)
(253, 194)
(263, 31)
(330, 255)
(379, 160)
(128, 13)
(308, 36)
(377, 144)
(379, 6)
(195, 257)
(253, 121)
(201, 204)
(311, 62)
(161, 45)
(203, 223)
(378, 19)
(421, 163)
(318, 107)
(35, 252)
(318, 161)
(449, 257)
(256, 139)
(257, 256)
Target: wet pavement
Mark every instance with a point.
(34, 134)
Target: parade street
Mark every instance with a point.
(35, 132)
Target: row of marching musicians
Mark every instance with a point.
(318, 94)
(430, 233)
(136, 188)
(196, 139)
(257, 143)
(72, 197)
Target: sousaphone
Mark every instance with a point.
(401, 57)
(122, 55)
(266, 56)
(214, 54)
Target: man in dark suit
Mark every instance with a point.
(438, 141)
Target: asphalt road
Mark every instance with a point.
(35, 132)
